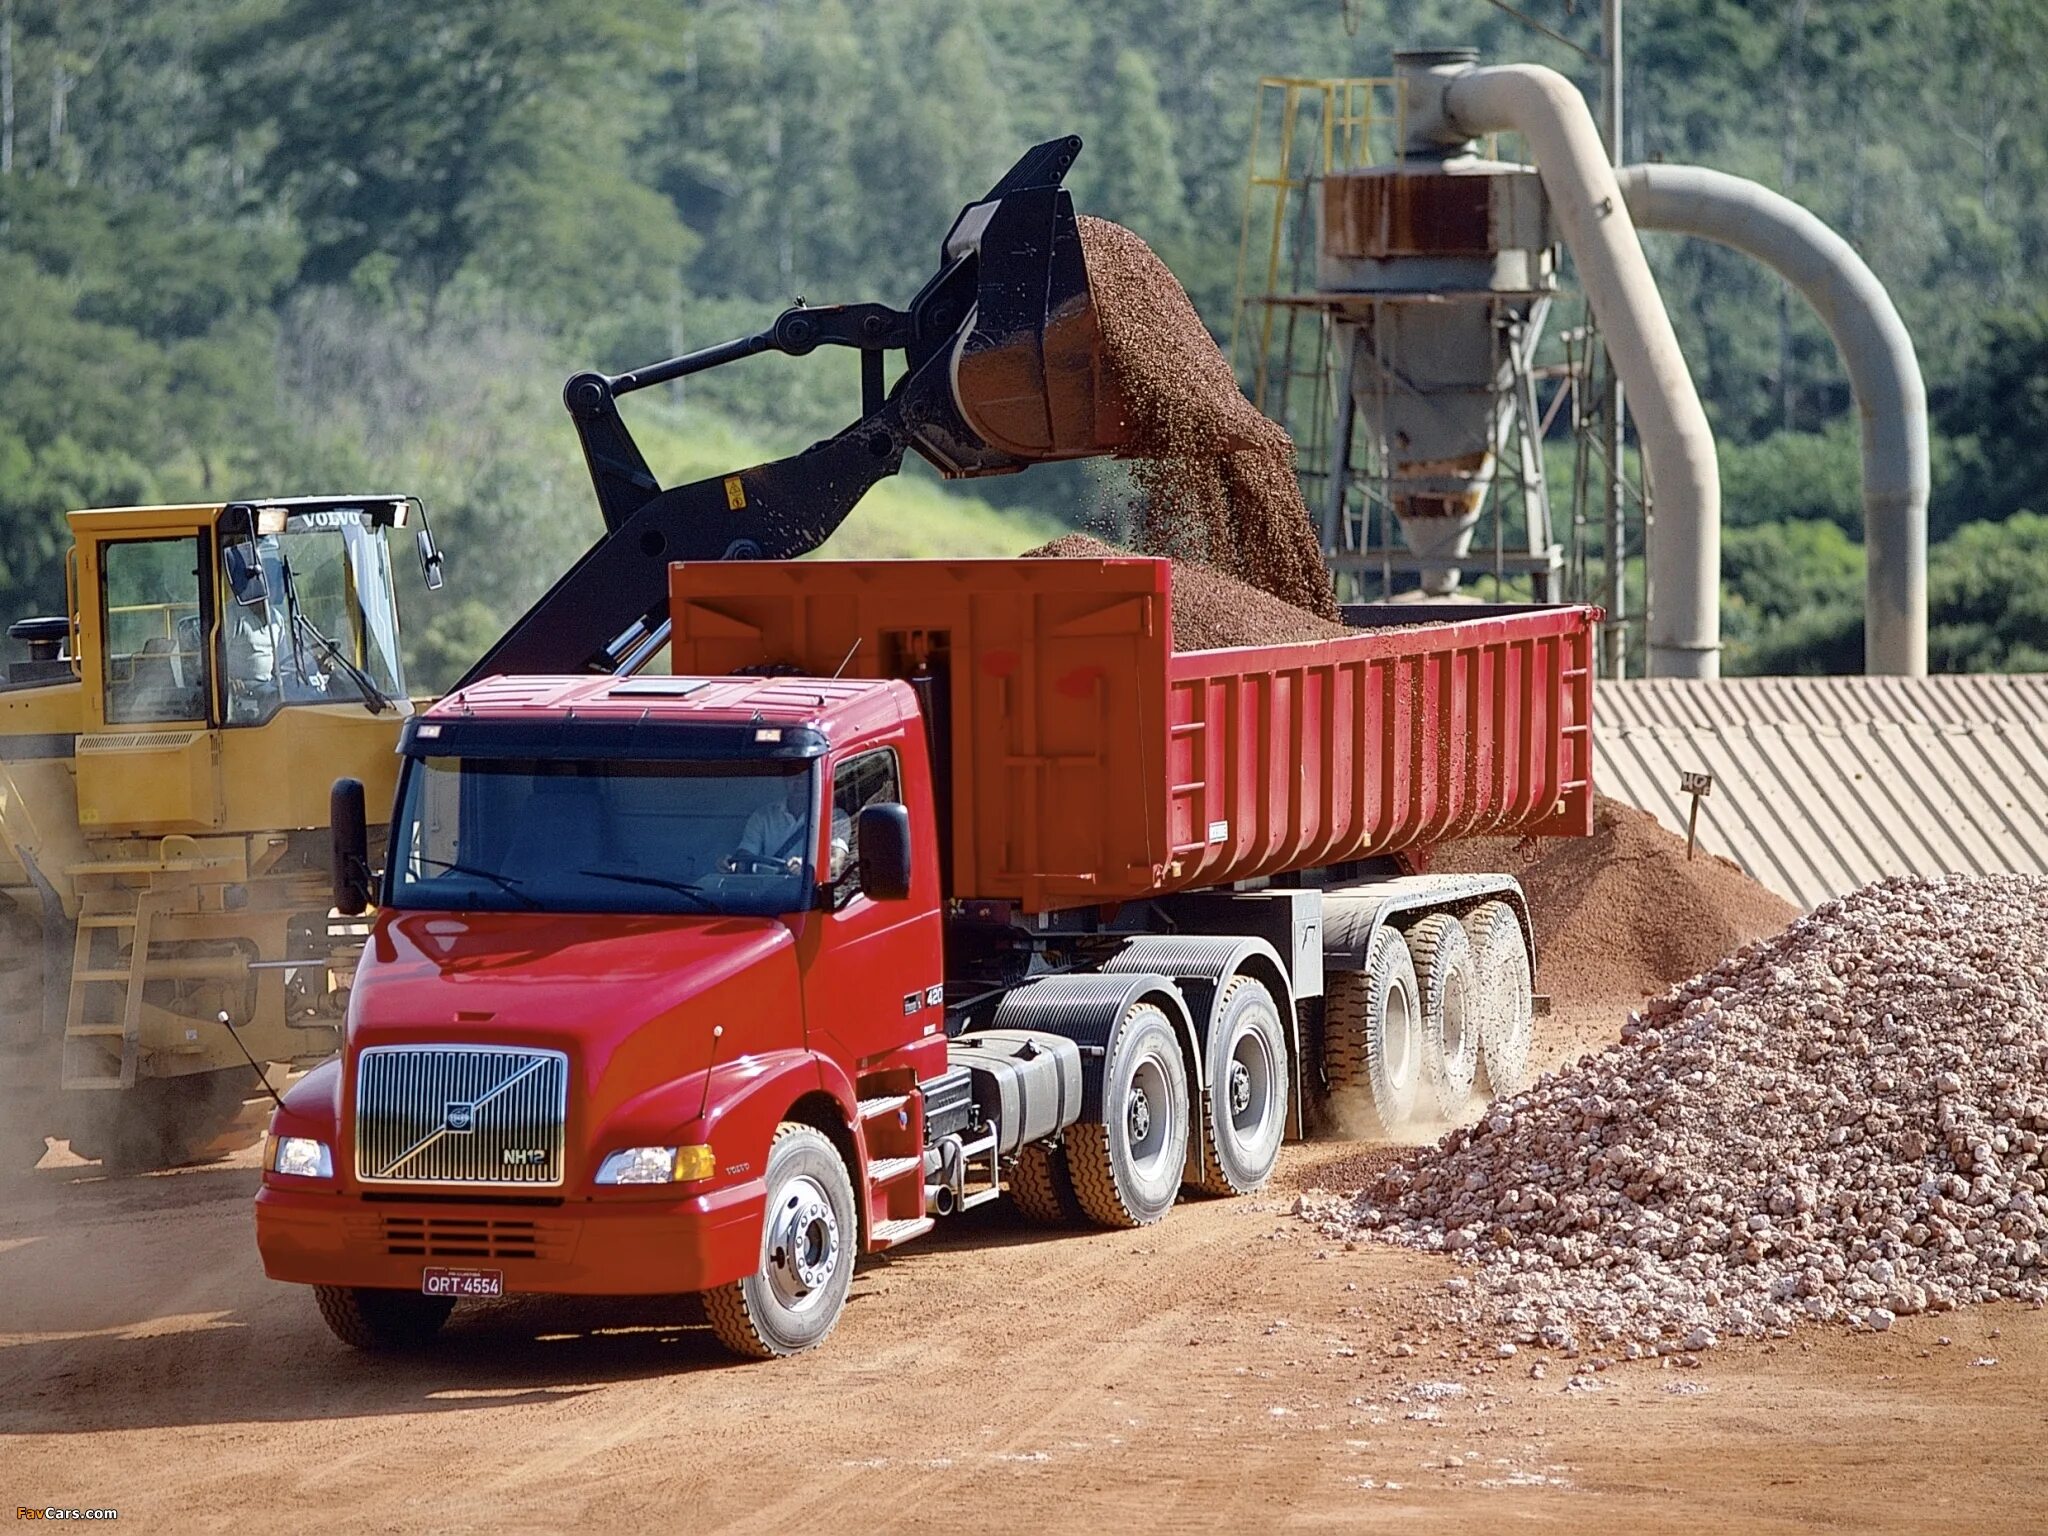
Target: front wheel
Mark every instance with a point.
(382, 1321)
(807, 1248)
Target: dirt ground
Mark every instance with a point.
(1226, 1368)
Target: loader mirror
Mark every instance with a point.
(349, 829)
(246, 580)
(882, 833)
(430, 559)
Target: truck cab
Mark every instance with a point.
(630, 937)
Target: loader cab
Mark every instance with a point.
(214, 644)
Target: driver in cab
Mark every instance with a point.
(773, 838)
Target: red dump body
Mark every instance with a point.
(1089, 763)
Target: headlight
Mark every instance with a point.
(656, 1165)
(301, 1157)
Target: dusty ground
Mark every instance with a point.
(1221, 1369)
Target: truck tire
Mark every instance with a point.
(1450, 1009)
(1127, 1170)
(1372, 1041)
(808, 1238)
(1244, 1112)
(382, 1321)
(1043, 1188)
(1506, 993)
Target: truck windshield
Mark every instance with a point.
(529, 834)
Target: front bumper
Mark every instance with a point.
(582, 1247)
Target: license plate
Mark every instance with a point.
(462, 1282)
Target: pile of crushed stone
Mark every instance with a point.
(1217, 477)
(1843, 1124)
(1211, 611)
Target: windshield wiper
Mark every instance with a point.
(680, 887)
(504, 883)
(373, 700)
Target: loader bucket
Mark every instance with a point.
(1028, 372)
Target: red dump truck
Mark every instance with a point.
(915, 885)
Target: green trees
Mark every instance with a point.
(293, 244)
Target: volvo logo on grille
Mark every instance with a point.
(460, 1117)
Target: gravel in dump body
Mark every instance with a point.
(1843, 1124)
(1623, 914)
(1211, 611)
(1217, 477)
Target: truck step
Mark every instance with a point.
(885, 1170)
(874, 1109)
(888, 1234)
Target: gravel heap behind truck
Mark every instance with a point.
(914, 885)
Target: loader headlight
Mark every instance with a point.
(301, 1157)
(657, 1165)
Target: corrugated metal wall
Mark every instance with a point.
(1822, 785)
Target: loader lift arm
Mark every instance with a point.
(1002, 368)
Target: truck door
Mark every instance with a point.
(871, 969)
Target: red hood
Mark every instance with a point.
(631, 999)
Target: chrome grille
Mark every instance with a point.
(460, 1114)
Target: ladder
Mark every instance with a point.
(109, 963)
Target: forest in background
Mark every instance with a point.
(288, 246)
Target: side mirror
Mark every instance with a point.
(245, 574)
(430, 559)
(350, 831)
(883, 833)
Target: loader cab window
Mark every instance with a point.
(154, 637)
(870, 779)
(308, 615)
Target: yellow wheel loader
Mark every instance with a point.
(166, 748)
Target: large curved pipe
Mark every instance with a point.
(1684, 554)
(1884, 373)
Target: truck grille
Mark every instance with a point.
(471, 1114)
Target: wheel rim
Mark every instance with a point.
(1403, 1054)
(1250, 1087)
(1148, 1118)
(1455, 1029)
(803, 1245)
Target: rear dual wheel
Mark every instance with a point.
(1373, 1053)
(1042, 1186)
(1127, 1170)
(1505, 990)
(1244, 1111)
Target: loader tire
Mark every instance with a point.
(1042, 1187)
(1127, 1170)
(1450, 1008)
(809, 1234)
(1244, 1112)
(382, 1322)
(162, 1122)
(1372, 1042)
(1506, 992)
